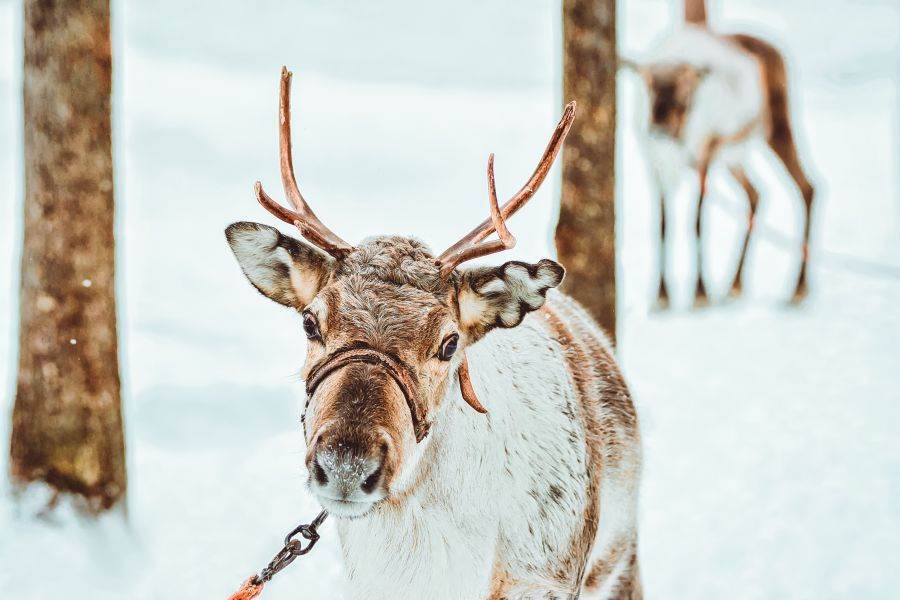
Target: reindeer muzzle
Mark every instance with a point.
(398, 371)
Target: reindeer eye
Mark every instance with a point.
(448, 347)
(311, 326)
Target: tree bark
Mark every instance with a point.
(586, 232)
(67, 419)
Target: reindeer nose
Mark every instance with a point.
(346, 473)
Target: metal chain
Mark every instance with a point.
(292, 548)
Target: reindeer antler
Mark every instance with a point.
(471, 245)
(507, 241)
(303, 218)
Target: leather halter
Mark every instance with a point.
(398, 371)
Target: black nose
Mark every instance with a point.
(369, 483)
(344, 472)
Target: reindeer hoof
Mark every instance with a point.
(701, 301)
(800, 294)
(662, 304)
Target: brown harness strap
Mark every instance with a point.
(465, 387)
(398, 371)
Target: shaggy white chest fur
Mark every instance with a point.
(502, 491)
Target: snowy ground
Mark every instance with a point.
(772, 460)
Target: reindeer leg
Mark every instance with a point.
(781, 140)
(700, 297)
(802, 288)
(630, 587)
(620, 572)
(753, 199)
(662, 298)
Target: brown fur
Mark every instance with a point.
(608, 413)
(579, 366)
(381, 315)
(386, 301)
(386, 295)
(490, 317)
(780, 133)
(501, 585)
(753, 199)
(671, 88)
(778, 116)
(358, 411)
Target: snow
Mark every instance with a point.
(772, 461)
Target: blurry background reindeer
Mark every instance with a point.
(713, 97)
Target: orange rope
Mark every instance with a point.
(248, 591)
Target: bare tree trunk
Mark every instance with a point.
(67, 420)
(586, 232)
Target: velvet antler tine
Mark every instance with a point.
(285, 145)
(291, 217)
(279, 211)
(526, 192)
(497, 219)
(303, 217)
(472, 252)
(310, 226)
(506, 242)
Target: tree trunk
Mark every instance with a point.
(586, 232)
(67, 419)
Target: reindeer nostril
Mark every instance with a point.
(371, 481)
(319, 473)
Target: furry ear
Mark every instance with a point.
(501, 296)
(280, 267)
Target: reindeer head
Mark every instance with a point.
(671, 87)
(388, 325)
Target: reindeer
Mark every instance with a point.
(526, 488)
(712, 96)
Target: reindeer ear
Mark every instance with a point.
(502, 296)
(280, 267)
